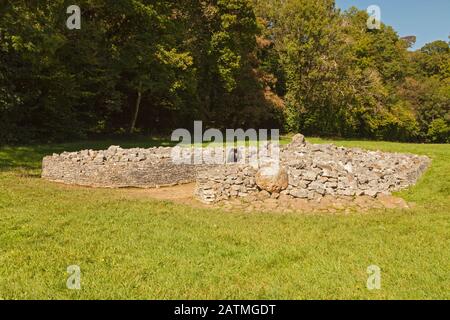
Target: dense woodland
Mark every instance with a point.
(148, 67)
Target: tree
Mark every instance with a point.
(153, 65)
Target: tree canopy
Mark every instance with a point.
(150, 66)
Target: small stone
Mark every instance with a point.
(285, 198)
(371, 193)
(100, 158)
(349, 167)
(299, 193)
(310, 175)
(113, 149)
(263, 195)
(298, 140)
(329, 174)
(275, 195)
(251, 197)
(236, 187)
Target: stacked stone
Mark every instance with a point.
(114, 154)
(316, 170)
(224, 182)
(117, 167)
(304, 170)
(309, 171)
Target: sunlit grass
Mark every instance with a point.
(137, 248)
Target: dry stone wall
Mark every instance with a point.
(314, 171)
(117, 167)
(306, 171)
(137, 167)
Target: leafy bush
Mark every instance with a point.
(439, 131)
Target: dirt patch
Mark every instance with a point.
(184, 194)
(175, 193)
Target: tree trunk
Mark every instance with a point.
(136, 110)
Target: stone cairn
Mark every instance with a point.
(310, 171)
(304, 171)
(119, 168)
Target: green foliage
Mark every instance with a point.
(345, 80)
(399, 124)
(434, 59)
(184, 60)
(439, 131)
(151, 66)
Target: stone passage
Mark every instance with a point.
(304, 171)
(118, 168)
(309, 171)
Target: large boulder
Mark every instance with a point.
(272, 178)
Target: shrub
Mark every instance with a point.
(439, 131)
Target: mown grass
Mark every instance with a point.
(138, 248)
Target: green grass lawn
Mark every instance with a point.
(138, 248)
